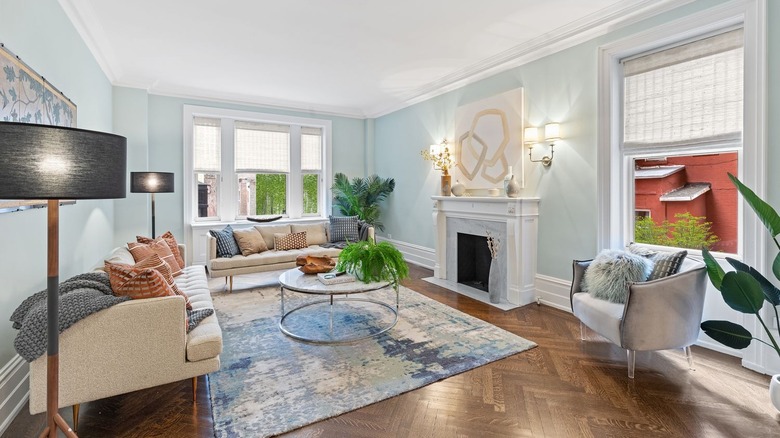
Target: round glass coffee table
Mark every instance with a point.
(296, 281)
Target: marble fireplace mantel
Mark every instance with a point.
(513, 220)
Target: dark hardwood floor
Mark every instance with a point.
(563, 388)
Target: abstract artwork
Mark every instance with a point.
(25, 96)
(488, 137)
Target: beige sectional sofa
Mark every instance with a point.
(133, 345)
(317, 234)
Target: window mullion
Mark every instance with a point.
(229, 184)
(295, 177)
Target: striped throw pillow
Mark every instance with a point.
(172, 244)
(141, 251)
(344, 228)
(154, 262)
(137, 283)
(283, 242)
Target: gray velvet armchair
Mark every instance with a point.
(661, 314)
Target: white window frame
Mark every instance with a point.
(227, 210)
(615, 194)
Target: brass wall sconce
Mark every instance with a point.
(551, 134)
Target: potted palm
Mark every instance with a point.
(745, 289)
(361, 196)
(370, 261)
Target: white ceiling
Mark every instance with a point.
(352, 57)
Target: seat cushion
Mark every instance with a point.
(601, 316)
(315, 233)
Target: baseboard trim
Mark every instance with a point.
(14, 390)
(553, 292)
(414, 254)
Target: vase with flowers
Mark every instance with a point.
(494, 244)
(442, 159)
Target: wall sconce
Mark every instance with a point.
(551, 134)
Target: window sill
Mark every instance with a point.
(244, 222)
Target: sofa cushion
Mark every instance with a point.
(264, 258)
(601, 315)
(172, 244)
(226, 243)
(315, 233)
(205, 340)
(118, 255)
(344, 228)
(250, 241)
(285, 242)
(141, 251)
(268, 232)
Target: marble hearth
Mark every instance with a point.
(513, 220)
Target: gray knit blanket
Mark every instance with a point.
(80, 297)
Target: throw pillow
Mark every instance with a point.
(137, 283)
(315, 233)
(226, 244)
(151, 262)
(664, 263)
(194, 317)
(283, 242)
(250, 241)
(172, 244)
(141, 251)
(344, 228)
(611, 273)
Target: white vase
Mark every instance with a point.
(458, 189)
(774, 391)
(512, 187)
(493, 282)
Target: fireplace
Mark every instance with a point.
(473, 261)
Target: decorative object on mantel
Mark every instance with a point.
(746, 289)
(263, 218)
(511, 186)
(442, 160)
(458, 189)
(487, 139)
(493, 192)
(494, 245)
(552, 133)
(52, 163)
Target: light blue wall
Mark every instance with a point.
(561, 87)
(40, 33)
(161, 135)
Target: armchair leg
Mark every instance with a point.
(76, 417)
(689, 356)
(631, 363)
(195, 389)
(582, 331)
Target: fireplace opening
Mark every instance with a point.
(473, 261)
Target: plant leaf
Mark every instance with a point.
(771, 293)
(714, 270)
(742, 292)
(776, 267)
(764, 211)
(727, 333)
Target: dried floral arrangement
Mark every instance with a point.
(441, 160)
(494, 244)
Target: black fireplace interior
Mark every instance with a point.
(473, 261)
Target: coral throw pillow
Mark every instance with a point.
(283, 242)
(172, 244)
(151, 262)
(158, 246)
(137, 283)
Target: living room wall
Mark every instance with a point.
(155, 136)
(41, 34)
(561, 87)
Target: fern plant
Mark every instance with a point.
(361, 196)
(371, 261)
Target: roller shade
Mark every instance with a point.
(262, 147)
(206, 144)
(311, 148)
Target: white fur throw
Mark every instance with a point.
(612, 271)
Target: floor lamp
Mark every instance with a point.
(151, 182)
(53, 163)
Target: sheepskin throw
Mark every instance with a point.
(612, 271)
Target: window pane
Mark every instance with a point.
(262, 146)
(311, 193)
(686, 202)
(206, 144)
(262, 193)
(311, 148)
(207, 189)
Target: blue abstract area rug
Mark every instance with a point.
(270, 384)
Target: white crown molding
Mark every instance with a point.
(91, 30)
(607, 20)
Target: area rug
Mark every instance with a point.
(269, 383)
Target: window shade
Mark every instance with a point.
(262, 147)
(311, 148)
(688, 94)
(207, 147)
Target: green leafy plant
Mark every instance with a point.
(371, 261)
(687, 231)
(361, 196)
(745, 289)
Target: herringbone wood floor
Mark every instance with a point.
(563, 388)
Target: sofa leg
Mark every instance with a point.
(195, 389)
(76, 417)
(631, 363)
(231, 284)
